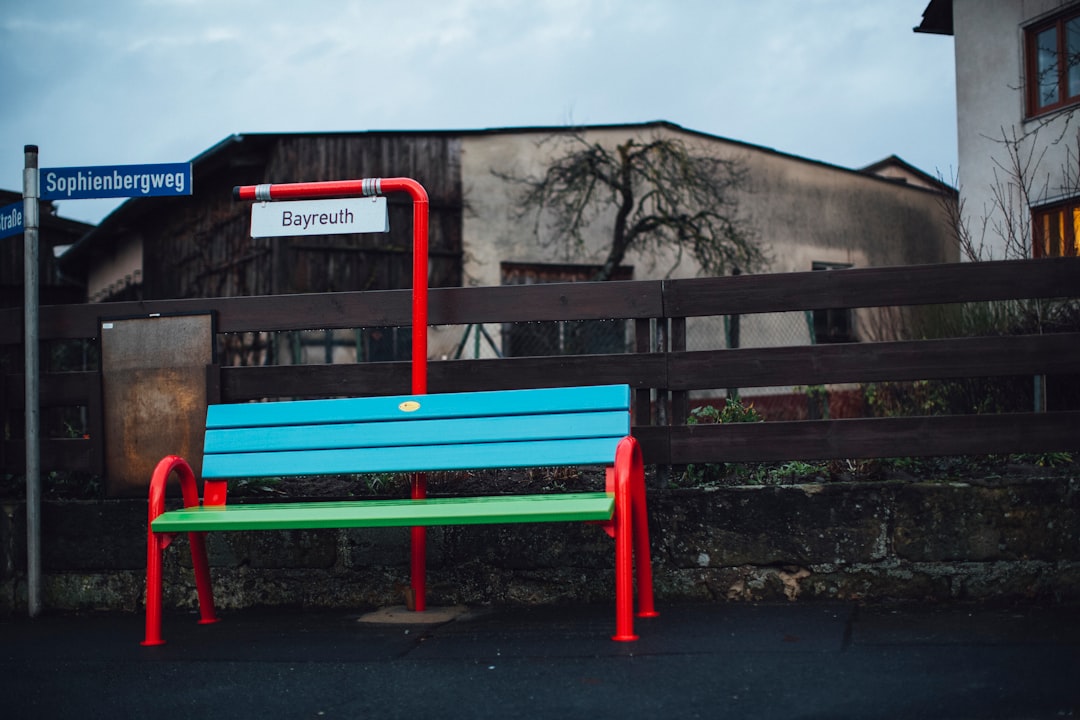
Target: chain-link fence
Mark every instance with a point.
(533, 339)
(314, 347)
(754, 331)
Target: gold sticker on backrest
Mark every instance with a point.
(409, 406)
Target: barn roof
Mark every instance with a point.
(239, 150)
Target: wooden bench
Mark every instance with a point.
(413, 434)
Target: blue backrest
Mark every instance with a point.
(407, 433)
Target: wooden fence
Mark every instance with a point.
(661, 370)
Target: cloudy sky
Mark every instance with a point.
(114, 82)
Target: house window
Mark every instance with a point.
(1052, 55)
(832, 325)
(1055, 230)
(561, 337)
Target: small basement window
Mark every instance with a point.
(832, 325)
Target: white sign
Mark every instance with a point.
(319, 217)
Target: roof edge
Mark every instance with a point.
(937, 18)
(209, 156)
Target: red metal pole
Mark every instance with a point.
(379, 186)
(373, 186)
(627, 466)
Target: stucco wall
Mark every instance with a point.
(802, 211)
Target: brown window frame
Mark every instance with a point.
(832, 325)
(1031, 64)
(1063, 243)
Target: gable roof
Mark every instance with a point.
(896, 169)
(251, 148)
(55, 233)
(937, 18)
(59, 230)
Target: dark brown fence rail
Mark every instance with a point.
(661, 371)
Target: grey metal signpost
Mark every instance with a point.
(31, 370)
(72, 183)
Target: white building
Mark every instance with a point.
(1017, 92)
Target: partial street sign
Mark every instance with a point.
(11, 219)
(111, 181)
(320, 217)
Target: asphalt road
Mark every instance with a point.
(810, 661)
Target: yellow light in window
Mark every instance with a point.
(1045, 236)
(1061, 234)
(1076, 231)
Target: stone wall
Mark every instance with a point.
(886, 541)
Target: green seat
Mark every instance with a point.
(391, 513)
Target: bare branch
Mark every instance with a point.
(662, 196)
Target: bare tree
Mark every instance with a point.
(663, 197)
(1021, 181)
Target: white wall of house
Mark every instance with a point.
(990, 106)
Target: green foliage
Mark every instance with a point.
(962, 396)
(1048, 460)
(797, 469)
(734, 411)
(921, 398)
(978, 395)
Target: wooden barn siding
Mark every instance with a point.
(374, 262)
(53, 288)
(202, 247)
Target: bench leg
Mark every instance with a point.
(418, 570)
(631, 529)
(155, 546)
(157, 542)
(642, 554)
(201, 564)
(624, 568)
(418, 557)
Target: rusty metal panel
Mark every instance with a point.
(154, 381)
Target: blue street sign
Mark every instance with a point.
(11, 219)
(111, 181)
